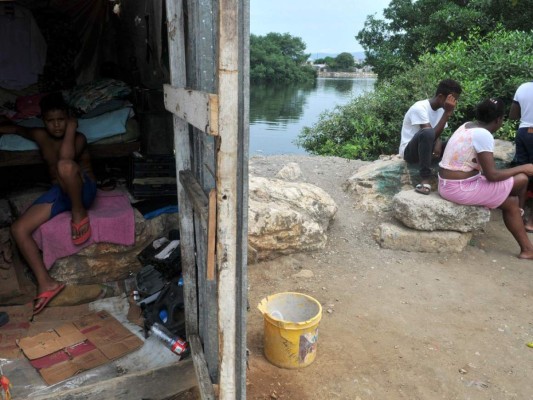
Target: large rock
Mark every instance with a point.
(290, 172)
(395, 237)
(102, 262)
(286, 217)
(105, 262)
(374, 185)
(433, 213)
(504, 152)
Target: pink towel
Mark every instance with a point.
(112, 221)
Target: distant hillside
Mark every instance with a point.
(358, 55)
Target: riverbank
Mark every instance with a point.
(322, 74)
(397, 325)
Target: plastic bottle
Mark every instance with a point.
(173, 342)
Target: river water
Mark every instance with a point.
(278, 113)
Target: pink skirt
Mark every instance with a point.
(476, 191)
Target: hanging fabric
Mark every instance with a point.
(22, 47)
(89, 17)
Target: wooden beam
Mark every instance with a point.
(197, 197)
(242, 213)
(207, 391)
(158, 383)
(211, 235)
(200, 109)
(227, 194)
(202, 39)
(177, 55)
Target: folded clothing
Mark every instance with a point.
(28, 106)
(85, 98)
(94, 129)
(112, 221)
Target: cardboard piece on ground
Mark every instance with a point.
(73, 347)
(19, 325)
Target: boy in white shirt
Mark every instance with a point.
(422, 127)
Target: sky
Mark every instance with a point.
(327, 26)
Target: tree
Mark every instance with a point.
(412, 28)
(344, 61)
(279, 58)
(330, 63)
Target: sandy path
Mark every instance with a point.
(401, 325)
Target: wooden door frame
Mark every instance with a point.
(213, 220)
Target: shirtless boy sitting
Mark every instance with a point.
(74, 188)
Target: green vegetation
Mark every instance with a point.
(279, 58)
(343, 62)
(413, 28)
(491, 65)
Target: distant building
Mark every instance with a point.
(320, 67)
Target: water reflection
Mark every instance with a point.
(278, 113)
(278, 104)
(340, 85)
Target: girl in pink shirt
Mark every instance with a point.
(468, 173)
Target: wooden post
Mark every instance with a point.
(177, 55)
(227, 166)
(183, 162)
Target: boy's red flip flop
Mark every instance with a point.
(81, 237)
(47, 296)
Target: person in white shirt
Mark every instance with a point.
(422, 127)
(468, 174)
(522, 109)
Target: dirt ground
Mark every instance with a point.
(396, 324)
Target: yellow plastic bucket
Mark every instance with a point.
(291, 329)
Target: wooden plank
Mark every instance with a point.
(197, 197)
(207, 391)
(156, 384)
(177, 55)
(227, 193)
(242, 207)
(200, 109)
(211, 235)
(202, 76)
